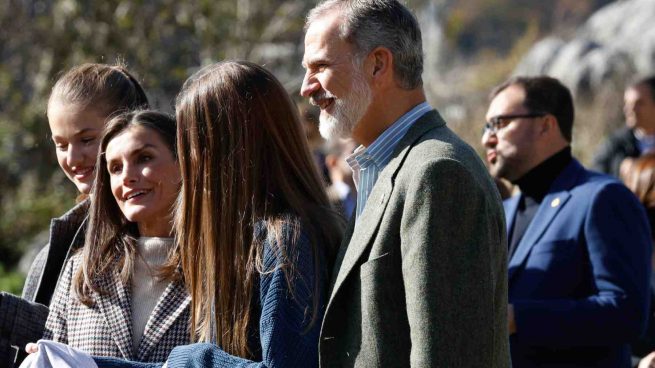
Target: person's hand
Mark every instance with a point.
(31, 348)
(648, 361)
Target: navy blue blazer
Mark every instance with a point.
(579, 277)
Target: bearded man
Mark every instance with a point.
(420, 279)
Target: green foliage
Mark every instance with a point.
(11, 282)
(164, 41)
(161, 42)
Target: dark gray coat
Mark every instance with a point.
(421, 279)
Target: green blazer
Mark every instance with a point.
(421, 278)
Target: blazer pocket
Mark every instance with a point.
(561, 247)
(374, 266)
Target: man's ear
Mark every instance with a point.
(549, 124)
(382, 63)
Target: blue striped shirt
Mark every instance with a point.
(367, 162)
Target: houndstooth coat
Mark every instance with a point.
(105, 329)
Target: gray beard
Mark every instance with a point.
(347, 111)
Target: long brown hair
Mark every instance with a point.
(244, 159)
(110, 238)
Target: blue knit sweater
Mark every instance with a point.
(284, 317)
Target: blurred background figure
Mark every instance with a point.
(309, 120)
(638, 174)
(638, 135)
(341, 191)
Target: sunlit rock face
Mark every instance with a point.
(617, 42)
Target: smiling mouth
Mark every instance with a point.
(322, 99)
(326, 103)
(82, 173)
(135, 194)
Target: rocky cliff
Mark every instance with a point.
(616, 43)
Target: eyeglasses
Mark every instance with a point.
(499, 122)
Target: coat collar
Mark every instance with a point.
(170, 306)
(66, 235)
(355, 244)
(114, 305)
(557, 197)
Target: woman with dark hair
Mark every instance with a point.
(257, 233)
(80, 103)
(123, 294)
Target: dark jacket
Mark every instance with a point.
(620, 145)
(22, 319)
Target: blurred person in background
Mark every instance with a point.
(341, 191)
(81, 101)
(123, 294)
(638, 174)
(309, 119)
(579, 241)
(638, 136)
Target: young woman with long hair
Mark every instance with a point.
(81, 102)
(123, 294)
(256, 232)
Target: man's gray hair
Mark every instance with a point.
(368, 24)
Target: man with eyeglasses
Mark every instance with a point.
(579, 242)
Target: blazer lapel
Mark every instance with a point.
(170, 306)
(115, 308)
(547, 211)
(376, 204)
(551, 205)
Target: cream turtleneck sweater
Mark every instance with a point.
(146, 287)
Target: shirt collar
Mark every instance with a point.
(380, 151)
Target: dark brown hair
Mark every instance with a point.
(648, 82)
(244, 160)
(110, 238)
(545, 95)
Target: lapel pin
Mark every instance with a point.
(555, 202)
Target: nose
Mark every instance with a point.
(130, 174)
(309, 85)
(75, 155)
(489, 139)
